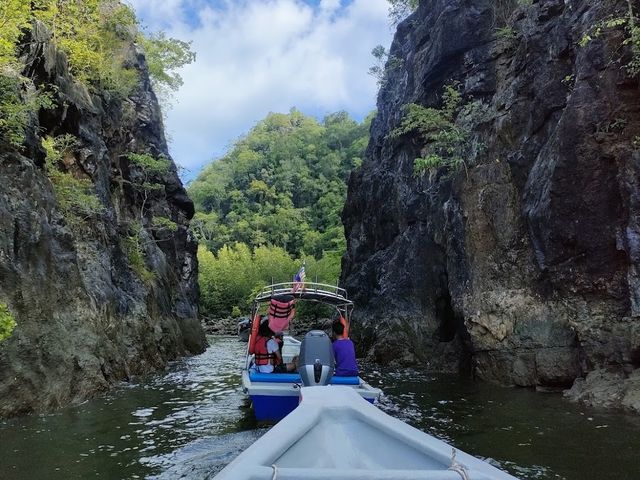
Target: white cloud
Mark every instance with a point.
(257, 56)
(329, 5)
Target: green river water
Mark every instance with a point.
(192, 420)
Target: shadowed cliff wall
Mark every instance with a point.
(85, 317)
(522, 265)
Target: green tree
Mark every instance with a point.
(226, 279)
(401, 9)
(273, 200)
(231, 278)
(166, 55)
(286, 177)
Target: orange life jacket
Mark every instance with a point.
(262, 355)
(255, 326)
(281, 311)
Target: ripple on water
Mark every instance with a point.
(192, 420)
(144, 412)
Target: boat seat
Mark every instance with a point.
(295, 378)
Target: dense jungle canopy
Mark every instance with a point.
(273, 202)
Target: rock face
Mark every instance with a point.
(85, 318)
(521, 266)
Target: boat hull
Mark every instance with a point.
(273, 408)
(273, 400)
(334, 434)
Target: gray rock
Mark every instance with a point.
(524, 263)
(611, 389)
(85, 320)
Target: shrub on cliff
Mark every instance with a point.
(444, 141)
(7, 322)
(149, 170)
(134, 250)
(97, 36)
(75, 195)
(19, 103)
(629, 23)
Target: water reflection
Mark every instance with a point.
(192, 420)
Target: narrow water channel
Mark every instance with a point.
(192, 420)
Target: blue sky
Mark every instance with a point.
(258, 56)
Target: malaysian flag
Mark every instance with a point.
(298, 279)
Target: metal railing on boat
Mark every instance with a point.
(320, 292)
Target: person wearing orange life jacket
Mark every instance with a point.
(267, 352)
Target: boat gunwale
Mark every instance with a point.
(258, 461)
(284, 389)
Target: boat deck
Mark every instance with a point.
(336, 435)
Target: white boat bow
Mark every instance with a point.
(335, 434)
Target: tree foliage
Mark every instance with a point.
(165, 56)
(401, 9)
(231, 277)
(283, 184)
(385, 64)
(14, 18)
(97, 36)
(444, 141)
(272, 201)
(7, 322)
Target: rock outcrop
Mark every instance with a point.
(85, 317)
(521, 266)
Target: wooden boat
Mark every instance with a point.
(335, 434)
(274, 395)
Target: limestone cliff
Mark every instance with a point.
(85, 317)
(522, 265)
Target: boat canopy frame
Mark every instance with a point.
(323, 293)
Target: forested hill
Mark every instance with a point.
(283, 184)
(278, 192)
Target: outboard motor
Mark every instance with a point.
(315, 362)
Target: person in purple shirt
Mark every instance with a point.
(344, 352)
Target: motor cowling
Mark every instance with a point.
(315, 362)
